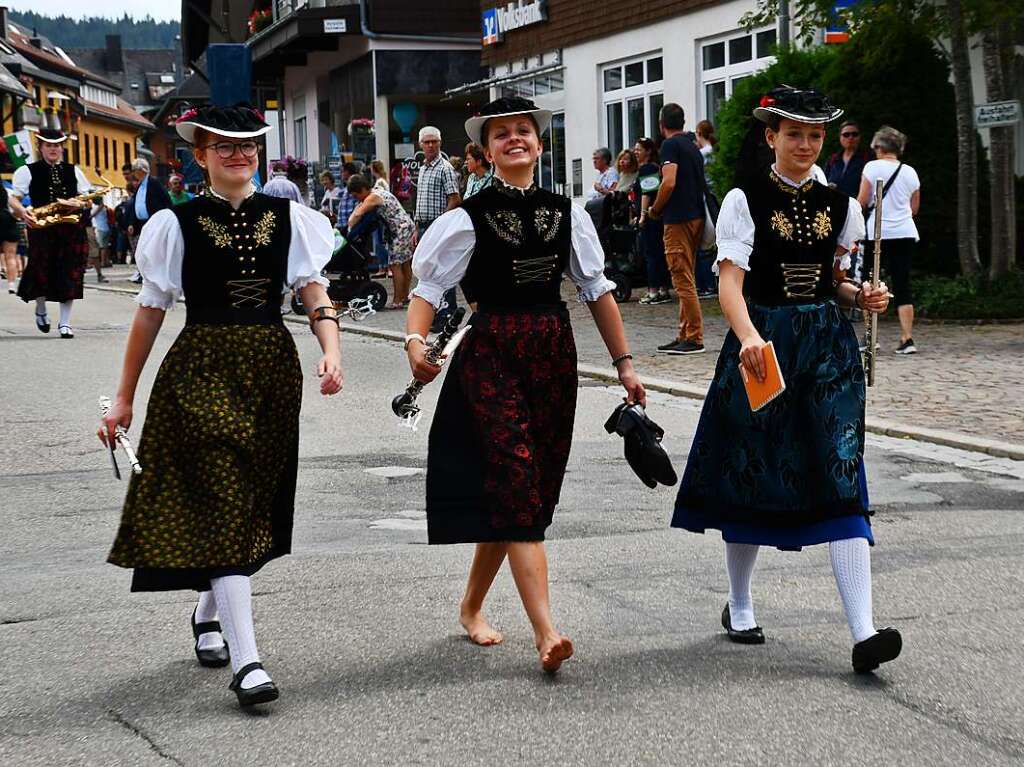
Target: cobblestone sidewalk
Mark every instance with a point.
(965, 378)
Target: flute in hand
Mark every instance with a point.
(121, 438)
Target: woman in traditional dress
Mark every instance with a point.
(58, 252)
(792, 473)
(501, 435)
(219, 449)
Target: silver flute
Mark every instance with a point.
(121, 438)
(871, 336)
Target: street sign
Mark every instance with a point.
(997, 114)
(335, 26)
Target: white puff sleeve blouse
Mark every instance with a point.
(443, 256)
(161, 250)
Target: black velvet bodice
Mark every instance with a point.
(51, 182)
(235, 262)
(522, 246)
(795, 236)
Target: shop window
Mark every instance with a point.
(654, 69)
(747, 53)
(631, 110)
(577, 177)
(300, 137)
(551, 168)
(766, 43)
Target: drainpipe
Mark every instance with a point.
(784, 22)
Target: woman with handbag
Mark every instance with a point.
(790, 474)
(500, 440)
(901, 193)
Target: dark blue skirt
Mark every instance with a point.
(792, 474)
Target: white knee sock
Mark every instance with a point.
(851, 563)
(234, 605)
(65, 312)
(739, 560)
(41, 307)
(206, 611)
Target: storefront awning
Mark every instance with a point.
(491, 82)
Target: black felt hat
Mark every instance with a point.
(51, 135)
(642, 441)
(506, 107)
(806, 106)
(239, 121)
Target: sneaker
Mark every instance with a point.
(670, 345)
(662, 298)
(649, 299)
(708, 294)
(907, 347)
(682, 347)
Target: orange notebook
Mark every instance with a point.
(760, 393)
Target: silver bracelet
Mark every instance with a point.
(413, 337)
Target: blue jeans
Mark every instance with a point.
(703, 276)
(450, 301)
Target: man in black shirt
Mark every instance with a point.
(680, 203)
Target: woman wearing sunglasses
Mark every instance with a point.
(219, 450)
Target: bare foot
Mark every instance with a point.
(480, 631)
(554, 652)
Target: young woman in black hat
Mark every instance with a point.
(58, 252)
(219, 449)
(791, 474)
(500, 439)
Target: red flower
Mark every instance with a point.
(522, 450)
(767, 101)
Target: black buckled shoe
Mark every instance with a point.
(212, 657)
(43, 323)
(876, 650)
(741, 636)
(261, 693)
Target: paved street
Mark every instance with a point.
(359, 628)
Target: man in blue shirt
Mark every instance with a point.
(844, 169)
(680, 202)
(147, 200)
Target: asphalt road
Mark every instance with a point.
(358, 626)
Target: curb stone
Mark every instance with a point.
(873, 425)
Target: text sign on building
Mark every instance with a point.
(335, 27)
(498, 21)
(997, 114)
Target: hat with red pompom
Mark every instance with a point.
(806, 106)
(239, 121)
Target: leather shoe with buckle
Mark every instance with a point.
(741, 636)
(261, 693)
(876, 650)
(211, 657)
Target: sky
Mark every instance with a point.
(162, 11)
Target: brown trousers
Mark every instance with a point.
(681, 241)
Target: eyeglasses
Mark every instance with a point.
(226, 149)
(850, 134)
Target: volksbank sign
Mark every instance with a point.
(498, 21)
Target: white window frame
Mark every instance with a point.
(622, 96)
(730, 72)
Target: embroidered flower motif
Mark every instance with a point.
(822, 225)
(547, 221)
(782, 225)
(264, 228)
(216, 232)
(507, 225)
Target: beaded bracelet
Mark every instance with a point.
(620, 358)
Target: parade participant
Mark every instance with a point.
(398, 228)
(10, 236)
(500, 438)
(219, 449)
(57, 253)
(791, 474)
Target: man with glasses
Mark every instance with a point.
(844, 169)
(147, 200)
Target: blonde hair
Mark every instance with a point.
(378, 169)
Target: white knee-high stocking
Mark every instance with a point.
(65, 312)
(206, 611)
(233, 594)
(739, 561)
(851, 563)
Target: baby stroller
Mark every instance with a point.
(349, 275)
(623, 260)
